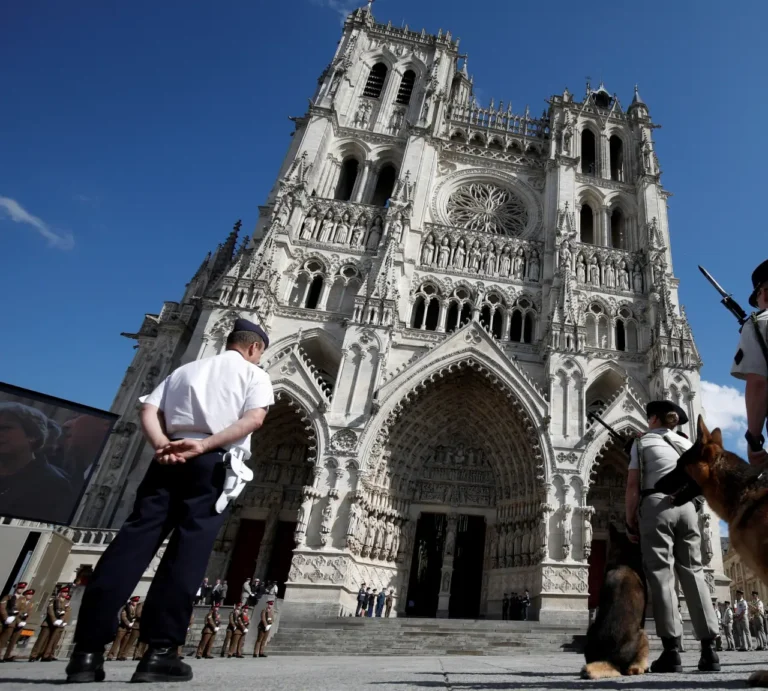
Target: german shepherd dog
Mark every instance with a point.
(737, 493)
(616, 641)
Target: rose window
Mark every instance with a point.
(486, 207)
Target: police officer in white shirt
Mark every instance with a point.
(198, 420)
(741, 623)
(757, 611)
(751, 365)
(669, 539)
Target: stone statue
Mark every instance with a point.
(358, 232)
(444, 254)
(534, 268)
(494, 548)
(610, 276)
(389, 531)
(586, 514)
(428, 251)
(393, 550)
(342, 230)
(509, 546)
(519, 263)
(370, 530)
(526, 547)
(594, 272)
(459, 255)
(308, 227)
(581, 269)
(518, 546)
(446, 586)
(406, 543)
(567, 136)
(706, 538)
(326, 227)
(505, 262)
(637, 279)
(354, 519)
(450, 539)
(474, 258)
(565, 257)
(489, 260)
(543, 531)
(623, 276)
(397, 228)
(566, 529)
(363, 115)
(375, 235)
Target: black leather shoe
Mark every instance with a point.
(709, 661)
(161, 664)
(669, 661)
(85, 667)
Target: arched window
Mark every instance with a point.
(492, 315)
(522, 322)
(459, 310)
(617, 158)
(406, 88)
(347, 179)
(621, 343)
(426, 308)
(376, 79)
(588, 153)
(315, 290)
(385, 183)
(309, 286)
(597, 327)
(458, 136)
(587, 224)
(496, 144)
(477, 140)
(528, 330)
(626, 331)
(516, 327)
(342, 295)
(618, 239)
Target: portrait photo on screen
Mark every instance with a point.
(49, 448)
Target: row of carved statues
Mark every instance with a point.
(609, 273)
(342, 228)
(472, 256)
(380, 537)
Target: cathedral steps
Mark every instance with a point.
(362, 636)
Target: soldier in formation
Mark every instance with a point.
(52, 628)
(756, 614)
(265, 624)
(14, 611)
(210, 629)
(728, 627)
(124, 628)
(238, 635)
(231, 627)
(740, 623)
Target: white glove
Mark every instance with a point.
(20, 625)
(216, 629)
(10, 621)
(58, 622)
(268, 627)
(63, 623)
(245, 630)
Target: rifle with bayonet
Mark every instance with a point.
(728, 302)
(624, 441)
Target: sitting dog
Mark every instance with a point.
(737, 492)
(616, 642)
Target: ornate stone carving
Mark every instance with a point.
(706, 538)
(344, 440)
(566, 579)
(488, 208)
(318, 569)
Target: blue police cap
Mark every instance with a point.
(245, 325)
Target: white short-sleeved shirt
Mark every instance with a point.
(740, 607)
(206, 396)
(659, 456)
(749, 358)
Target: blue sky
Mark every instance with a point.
(134, 134)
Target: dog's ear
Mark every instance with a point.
(716, 437)
(702, 433)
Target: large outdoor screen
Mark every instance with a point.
(49, 448)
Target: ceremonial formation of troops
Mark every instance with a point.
(742, 621)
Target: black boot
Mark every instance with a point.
(669, 661)
(162, 664)
(84, 667)
(709, 661)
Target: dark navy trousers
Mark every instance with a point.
(176, 500)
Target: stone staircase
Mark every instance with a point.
(406, 636)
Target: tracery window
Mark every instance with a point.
(598, 327)
(487, 207)
(587, 224)
(406, 88)
(343, 291)
(626, 331)
(522, 322)
(426, 308)
(459, 310)
(492, 314)
(376, 78)
(308, 288)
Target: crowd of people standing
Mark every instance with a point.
(372, 603)
(743, 620)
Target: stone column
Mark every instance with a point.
(268, 539)
(362, 183)
(446, 573)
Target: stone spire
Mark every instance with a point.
(225, 252)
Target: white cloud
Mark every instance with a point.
(342, 7)
(19, 214)
(723, 408)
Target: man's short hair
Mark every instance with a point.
(244, 339)
(754, 592)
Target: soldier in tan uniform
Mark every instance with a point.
(14, 611)
(47, 627)
(62, 612)
(231, 626)
(127, 620)
(210, 628)
(132, 639)
(238, 636)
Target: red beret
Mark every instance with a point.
(21, 585)
(29, 592)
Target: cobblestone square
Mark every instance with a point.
(450, 673)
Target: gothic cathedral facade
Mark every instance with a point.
(449, 290)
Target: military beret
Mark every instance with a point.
(21, 585)
(135, 598)
(64, 589)
(660, 408)
(31, 591)
(245, 325)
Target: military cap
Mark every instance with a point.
(64, 589)
(31, 591)
(245, 607)
(21, 585)
(759, 276)
(660, 408)
(135, 598)
(245, 325)
(739, 591)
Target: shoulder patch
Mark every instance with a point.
(739, 356)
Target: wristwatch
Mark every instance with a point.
(754, 443)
